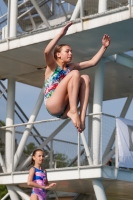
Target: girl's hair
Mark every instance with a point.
(33, 154)
(58, 49)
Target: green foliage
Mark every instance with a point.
(29, 148)
(61, 160)
(3, 191)
(2, 123)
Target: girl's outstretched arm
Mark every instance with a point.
(96, 58)
(48, 50)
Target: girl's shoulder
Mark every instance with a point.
(32, 170)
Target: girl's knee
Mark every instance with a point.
(85, 78)
(76, 73)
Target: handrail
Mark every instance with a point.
(51, 120)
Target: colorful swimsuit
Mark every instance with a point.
(39, 178)
(53, 81)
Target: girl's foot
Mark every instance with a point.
(75, 119)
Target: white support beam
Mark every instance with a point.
(79, 149)
(108, 156)
(96, 126)
(41, 14)
(77, 10)
(97, 108)
(102, 6)
(21, 193)
(12, 193)
(81, 9)
(123, 114)
(90, 110)
(13, 7)
(3, 166)
(99, 190)
(27, 161)
(28, 129)
(88, 155)
(9, 122)
(63, 9)
(122, 59)
(5, 197)
(51, 154)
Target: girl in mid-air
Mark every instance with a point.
(64, 87)
(37, 177)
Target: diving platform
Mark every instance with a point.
(79, 180)
(21, 56)
(27, 32)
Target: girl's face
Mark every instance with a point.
(38, 157)
(65, 54)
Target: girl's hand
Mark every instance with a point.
(52, 185)
(106, 40)
(65, 28)
(49, 186)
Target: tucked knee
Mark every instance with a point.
(76, 74)
(85, 78)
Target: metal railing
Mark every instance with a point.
(65, 149)
(56, 13)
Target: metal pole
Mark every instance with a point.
(51, 154)
(40, 13)
(90, 107)
(13, 18)
(28, 129)
(9, 122)
(79, 149)
(12, 193)
(81, 9)
(63, 9)
(108, 156)
(5, 197)
(21, 193)
(96, 125)
(116, 155)
(102, 6)
(2, 163)
(86, 148)
(77, 10)
(99, 190)
(13, 147)
(97, 107)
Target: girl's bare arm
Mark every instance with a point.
(95, 59)
(48, 50)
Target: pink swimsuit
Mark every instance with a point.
(39, 178)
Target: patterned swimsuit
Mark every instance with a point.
(39, 178)
(52, 82)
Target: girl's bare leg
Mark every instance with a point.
(66, 92)
(34, 197)
(73, 92)
(83, 98)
